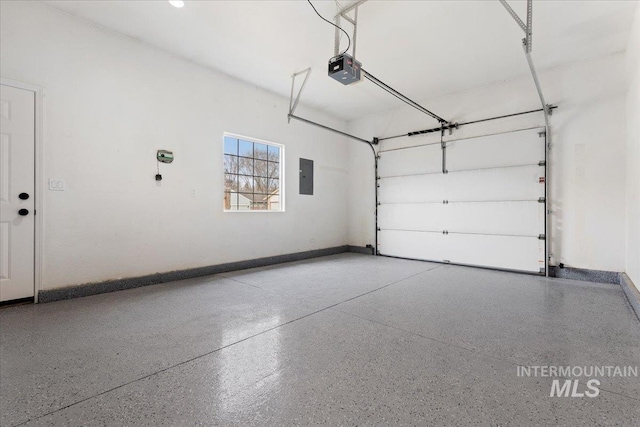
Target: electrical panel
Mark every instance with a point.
(306, 177)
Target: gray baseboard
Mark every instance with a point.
(585, 275)
(631, 292)
(622, 279)
(154, 279)
(360, 250)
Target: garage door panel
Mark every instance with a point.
(514, 253)
(487, 204)
(511, 218)
(509, 149)
(415, 216)
(421, 188)
(425, 246)
(519, 183)
(426, 159)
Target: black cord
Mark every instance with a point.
(401, 97)
(326, 20)
(389, 91)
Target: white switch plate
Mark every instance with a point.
(57, 185)
(192, 192)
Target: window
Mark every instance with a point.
(252, 175)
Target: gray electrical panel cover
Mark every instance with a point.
(306, 176)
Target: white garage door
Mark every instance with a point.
(488, 209)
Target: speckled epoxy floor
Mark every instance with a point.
(341, 340)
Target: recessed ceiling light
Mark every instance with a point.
(176, 3)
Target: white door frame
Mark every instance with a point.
(38, 179)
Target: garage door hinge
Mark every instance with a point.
(445, 232)
(542, 200)
(542, 163)
(541, 134)
(445, 202)
(542, 237)
(446, 261)
(379, 203)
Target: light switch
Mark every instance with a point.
(57, 184)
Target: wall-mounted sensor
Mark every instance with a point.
(165, 156)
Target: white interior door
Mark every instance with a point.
(17, 198)
(484, 211)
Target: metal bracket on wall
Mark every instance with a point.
(294, 103)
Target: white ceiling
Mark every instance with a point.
(421, 48)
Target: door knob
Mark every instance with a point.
(23, 212)
(23, 196)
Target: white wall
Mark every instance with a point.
(111, 102)
(633, 151)
(587, 161)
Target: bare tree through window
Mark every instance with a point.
(251, 175)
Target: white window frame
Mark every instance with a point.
(281, 172)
